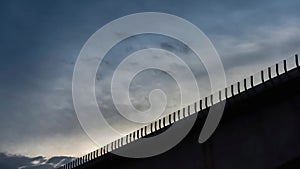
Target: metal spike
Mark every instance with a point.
(285, 66)
(277, 69)
(145, 130)
(262, 76)
(174, 117)
(206, 104)
(200, 105)
(138, 134)
(159, 123)
(133, 135)
(142, 132)
(151, 127)
(232, 92)
(251, 81)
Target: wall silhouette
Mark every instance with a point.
(260, 129)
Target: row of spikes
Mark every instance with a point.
(234, 89)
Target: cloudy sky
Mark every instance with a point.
(41, 40)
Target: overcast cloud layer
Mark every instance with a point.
(40, 41)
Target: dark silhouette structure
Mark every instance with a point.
(260, 129)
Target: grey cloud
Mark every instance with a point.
(179, 47)
(23, 162)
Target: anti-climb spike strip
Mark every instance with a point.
(171, 118)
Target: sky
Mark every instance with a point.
(41, 40)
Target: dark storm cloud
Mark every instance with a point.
(40, 41)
